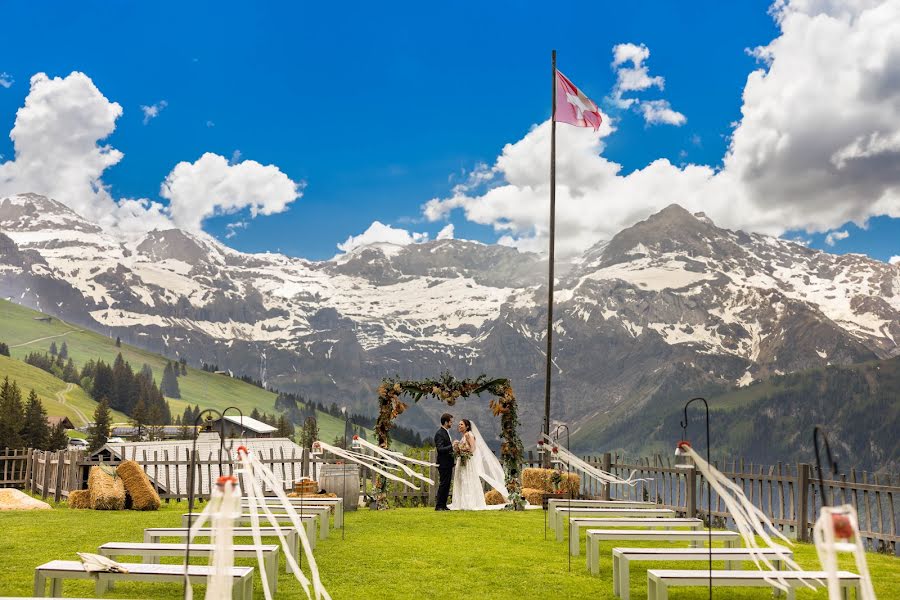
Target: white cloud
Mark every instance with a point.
(233, 228)
(152, 111)
(815, 147)
(6, 80)
(660, 112)
(210, 124)
(894, 260)
(835, 236)
(637, 78)
(211, 186)
(59, 153)
(446, 233)
(378, 232)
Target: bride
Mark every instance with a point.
(468, 493)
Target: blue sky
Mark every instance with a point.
(378, 109)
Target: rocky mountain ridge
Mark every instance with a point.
(669, 303)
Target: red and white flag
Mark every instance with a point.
(573, 107)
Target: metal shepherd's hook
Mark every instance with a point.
(684, 425)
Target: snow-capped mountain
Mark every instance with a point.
(671, 301)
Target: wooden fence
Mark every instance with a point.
(788, 494)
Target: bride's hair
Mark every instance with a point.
(467, 423)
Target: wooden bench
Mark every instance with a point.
(559, 514)
(577, 523)
(622, 558)
(659, 581)
(282, 519)
(153, 535)
(56, 571)
(153, 551)
(595, 536)
(554, 503)
(336, 504)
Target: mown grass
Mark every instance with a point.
(18, 328)
(395, 554)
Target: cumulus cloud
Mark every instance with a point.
(815, 147)
(378, 232)
(211, 186)
(152, 111)
(632, 75)
(835, 236)
(446, 233)
(232, 228)
(6, 80)
(59, 153)
(894, 260)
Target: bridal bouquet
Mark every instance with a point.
(461, 452)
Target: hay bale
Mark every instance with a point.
(570, 482)
(79, 499)
(537, 479)
(106, 489)
(493, 497)
(138, 486)
(533, 496)
(12, 499)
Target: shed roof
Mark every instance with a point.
(251, 424)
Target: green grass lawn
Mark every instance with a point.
(24, 334)
(396, 554)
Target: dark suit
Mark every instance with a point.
(445, 459)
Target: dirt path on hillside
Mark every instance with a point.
(61, 397)
(49, 337)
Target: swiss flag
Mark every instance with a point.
(573, 107)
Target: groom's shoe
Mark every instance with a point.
(441, 508)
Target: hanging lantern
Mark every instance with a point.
(843, 527)
(316, 449)
(682, 460)
(355, 443)
(540, 447)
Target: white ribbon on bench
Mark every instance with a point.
(380, 464)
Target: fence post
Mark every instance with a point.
(605, 465)
(690, 492)
(802, 502)
(432, 474)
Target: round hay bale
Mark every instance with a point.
(537, 479)
(533, 496)
(107, 491)
(79, 499)
(138, 486)
(493, 497)
(12, 499)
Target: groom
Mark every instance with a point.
(444, 444)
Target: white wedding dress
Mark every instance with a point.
(482, 466)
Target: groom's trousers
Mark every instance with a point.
(443, 491)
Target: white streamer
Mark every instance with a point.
(376, 464)
(834, 524)
(749, 520)
(225, 506)
(567, 458)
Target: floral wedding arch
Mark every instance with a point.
(448, 389)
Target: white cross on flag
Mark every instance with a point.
(573, 107)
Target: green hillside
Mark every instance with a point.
(58, 397)
(771, 421)
(21, 329)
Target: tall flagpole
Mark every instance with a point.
(552, 242)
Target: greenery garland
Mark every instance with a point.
(448, 389)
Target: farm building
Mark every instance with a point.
(241, 427)
(54, 421)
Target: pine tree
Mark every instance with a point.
(284, 428)
(183, 363)
(169, 385)
(53, 349)
(99, 431)
(309, 433)
(4, 349)
(118, 342)
(12, 415)
(255, 414)
(70, 373)
(58, 438)
(147, 371)
(64, 351)
(139, 416)
(35, 431)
